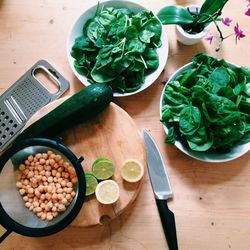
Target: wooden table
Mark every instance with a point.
(211, 201)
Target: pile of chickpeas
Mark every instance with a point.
(45, 182)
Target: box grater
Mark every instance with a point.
(24, 98)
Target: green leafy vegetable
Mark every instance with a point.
(118, 47)
(208, 105)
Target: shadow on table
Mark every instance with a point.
(84, 238)
(198, 172)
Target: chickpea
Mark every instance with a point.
(35, 204)
(26, 171)
(58, 158)
(45, 156)
(50, 204)
(42, 205)
(49, 188)
(54, 209)
(39, 214)
(69, 184)
(60, 196)
(22, 167)
(53, 172)
(37, 193)
(48, 196)
(54, 196)
(43, 216)
(39, 168)
(74, 180)
(69, 190)
(63, 183)
(27, 204)
(30, 195)
(47, 173)
(52, 162)
(19, 184)
(27, 163)
(59, 190)
(22, 191)
(47, 168)
(56, 166)
(61, 207)
(66, 165)
(25, 198)
(52, 156)
(39, 155)
(44, 178)
(42, 172)
(49, 153)
(49, 217)
(54, 214)
(42, 197)
(58, 175)
(64, 201)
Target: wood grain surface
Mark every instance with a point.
(114, 135)
(211, 201)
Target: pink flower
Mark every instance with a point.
(247, 12)
(248, 3)
(226, 21)
(238, 33)
(209, 38)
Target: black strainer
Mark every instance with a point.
(14, 216)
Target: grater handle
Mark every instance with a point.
(63, 84)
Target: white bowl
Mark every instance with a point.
(190, 39)
(238, 150)
(76, 31)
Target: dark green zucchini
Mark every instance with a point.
(82, 106)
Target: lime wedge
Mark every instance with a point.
(107, 192)
(132, 170)
(91, 183)
(103, 168)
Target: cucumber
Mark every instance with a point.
(82, 106)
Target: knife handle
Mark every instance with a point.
(168, 224)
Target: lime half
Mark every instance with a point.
(91, 183)
(103, 168)
(132, 170)
(107, 192)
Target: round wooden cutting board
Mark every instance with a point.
(113, 134)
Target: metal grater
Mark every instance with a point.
(24, 98)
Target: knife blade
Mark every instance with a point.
(162, 189)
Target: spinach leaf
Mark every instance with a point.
(170, 139)
(151, 58)
(118, 47)
(219, 78)
(208, 106)
(190, 119)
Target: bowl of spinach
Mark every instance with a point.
(120, 43)
(205, 109)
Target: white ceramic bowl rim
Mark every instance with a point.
(162, 51)
(209, 156)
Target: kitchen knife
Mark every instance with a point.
(162, 190)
